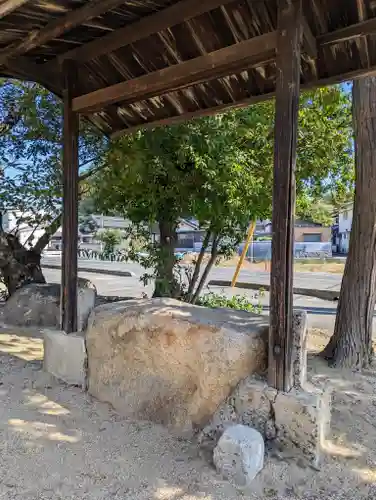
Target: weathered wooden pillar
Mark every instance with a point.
(280, 373)
(70, 203)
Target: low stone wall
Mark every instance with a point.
(170, 362)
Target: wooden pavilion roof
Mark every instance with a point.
(147, 62)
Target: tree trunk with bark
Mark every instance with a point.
(208, 268)
(165, 282)
(197, 268)
(19, 265)
(351, 343)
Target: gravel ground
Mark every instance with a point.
(56, 442)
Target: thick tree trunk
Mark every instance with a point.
(197, 269)
(18, 266)
(208, 268)
(165, 283)
(351, 343)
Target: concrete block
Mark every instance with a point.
(65, 356)
(239, 455)
(302, 421)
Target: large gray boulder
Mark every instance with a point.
(171, 362)
(39, 305)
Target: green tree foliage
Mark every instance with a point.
(30, 165)
(219, 170)
(111, 238)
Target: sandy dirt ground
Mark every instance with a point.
(56, 442)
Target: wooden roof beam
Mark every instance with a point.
(229, 60)
(9, 6)
(57, 27)
(28, 70)
(175, 14)
(363, 28)
(248, 101)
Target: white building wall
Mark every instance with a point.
(344, 228)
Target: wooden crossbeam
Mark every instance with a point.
(235, 58)
(57, 27)
(9, 6)
(363, 28)
(24, 68)
(175, 14)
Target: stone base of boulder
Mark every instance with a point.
(65, 356)
(295, 422)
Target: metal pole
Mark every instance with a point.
(251, 230)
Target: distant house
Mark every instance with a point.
(311, 232)
(343, 228)
(305, 231)
(189, 234)
(16, 222)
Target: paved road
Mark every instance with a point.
(325, 281)
(321, 312)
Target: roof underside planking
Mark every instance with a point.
(148, 62)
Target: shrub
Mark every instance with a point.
(238, 302)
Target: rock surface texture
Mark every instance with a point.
(239, 455)
(170, 362)
(39, 305)
(296, 422)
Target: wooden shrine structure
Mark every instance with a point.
(128, 64)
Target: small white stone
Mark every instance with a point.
(239, 455)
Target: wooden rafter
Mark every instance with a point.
(57, 27)
(235, 58)
(348, 33)
(309, 40)
(363, 43)
(175, 14)
(9, 6)
(241, 103)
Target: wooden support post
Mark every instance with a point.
(70, 203)
(280, 373)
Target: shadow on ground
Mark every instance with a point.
(57, 442)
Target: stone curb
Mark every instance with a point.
(93, 270)
(332, 295)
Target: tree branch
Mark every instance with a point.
(45, 238)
